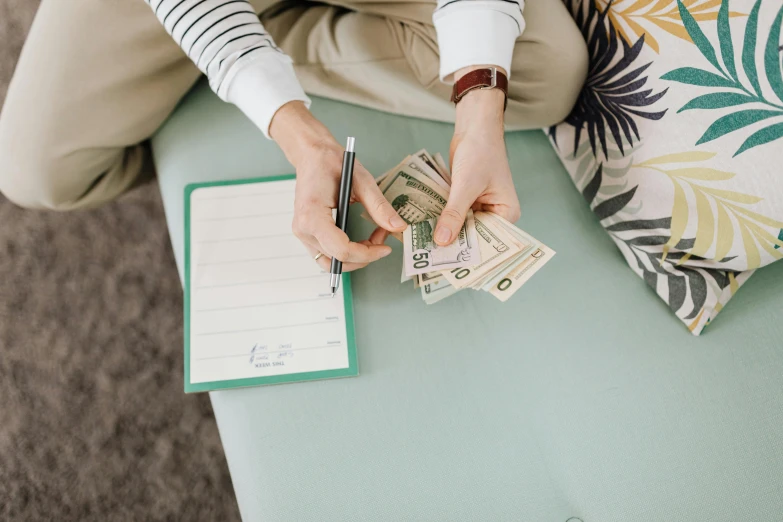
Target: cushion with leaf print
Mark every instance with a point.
(676, 141)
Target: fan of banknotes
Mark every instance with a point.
(489, 253)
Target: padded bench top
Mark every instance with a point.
(582, 397)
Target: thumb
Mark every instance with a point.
(367, 192)
(453, 216)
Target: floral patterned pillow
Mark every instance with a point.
(676, 141)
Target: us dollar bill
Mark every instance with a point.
(427, 277)
(433, 164)
(415, 197)
(444, 169)
(432, 293)
(422, 254)
(513, 281)
(422, 167)
(379, 180)
(404, 277)
(496, 246)
(525, 242)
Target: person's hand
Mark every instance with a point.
(480, 175)
(318, 159)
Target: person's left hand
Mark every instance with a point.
(480, 175)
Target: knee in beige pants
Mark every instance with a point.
(29, 168)
(35, 173)
(95, 79)
(548, 69)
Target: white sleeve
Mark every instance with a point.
(225, 39)
(477, 32)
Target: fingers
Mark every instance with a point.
(335, 243)
(316, 228)
(325, 262)
(378, 236)
(509, 213)
(453, 216)
(368, 193)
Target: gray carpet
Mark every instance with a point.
(93, 421)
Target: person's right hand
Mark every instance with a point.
(318, 158)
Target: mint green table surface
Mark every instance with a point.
(583, 396)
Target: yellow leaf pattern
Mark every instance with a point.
(696, 321)
(713, 227)
(679, 218)
(774, 252)
(723, 244)
(705, 232)
(701, 173)
(758, 217)
(637, 17)
(732, 196)
(679, 157)
(751, 250)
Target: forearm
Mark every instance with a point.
(226, 41)
(296, 130)
(480, 110)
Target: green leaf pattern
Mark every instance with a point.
(749, 48)
(771, 57)
(735, 121)
(696, 34)
(726, 45)
(729, 79)
(765, 135)
(717, 100)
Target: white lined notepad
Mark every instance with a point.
(258, 309)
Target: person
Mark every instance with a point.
(96, 78)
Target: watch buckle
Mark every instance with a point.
(494, 78)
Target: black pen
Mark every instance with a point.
(344, 199)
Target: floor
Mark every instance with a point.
(93, 421)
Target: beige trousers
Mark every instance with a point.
(96, 78)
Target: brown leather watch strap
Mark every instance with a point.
(489, 78)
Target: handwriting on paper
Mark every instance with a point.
(258, 353)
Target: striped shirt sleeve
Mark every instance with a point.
(477, 32)
(225, 39)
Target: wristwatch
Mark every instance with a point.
(488, 78)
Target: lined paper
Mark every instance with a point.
(259, 305)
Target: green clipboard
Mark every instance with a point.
(223, 384)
